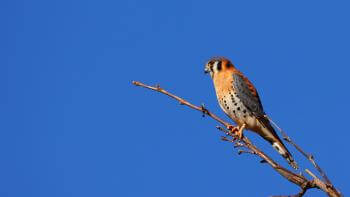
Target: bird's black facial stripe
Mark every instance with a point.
(219, 65)
(211, 65)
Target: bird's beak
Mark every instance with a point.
(206, 70)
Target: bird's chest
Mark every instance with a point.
(235, 109)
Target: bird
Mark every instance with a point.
(239, 99)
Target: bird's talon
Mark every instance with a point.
(232, 128)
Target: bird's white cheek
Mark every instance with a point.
(212, 75)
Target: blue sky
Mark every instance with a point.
(73, 125)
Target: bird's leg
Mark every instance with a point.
(240, 131)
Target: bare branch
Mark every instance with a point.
(182, 101)
(231, 131)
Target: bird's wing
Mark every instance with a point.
(248, 95)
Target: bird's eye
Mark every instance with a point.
(219, 66)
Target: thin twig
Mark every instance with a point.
(182, 102)
(246, 151)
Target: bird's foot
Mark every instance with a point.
(240, 131)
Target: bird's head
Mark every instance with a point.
(216, 65)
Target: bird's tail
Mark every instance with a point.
(269, 133)
(282, 150)
(278, 144)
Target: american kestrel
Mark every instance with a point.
(239, 99)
